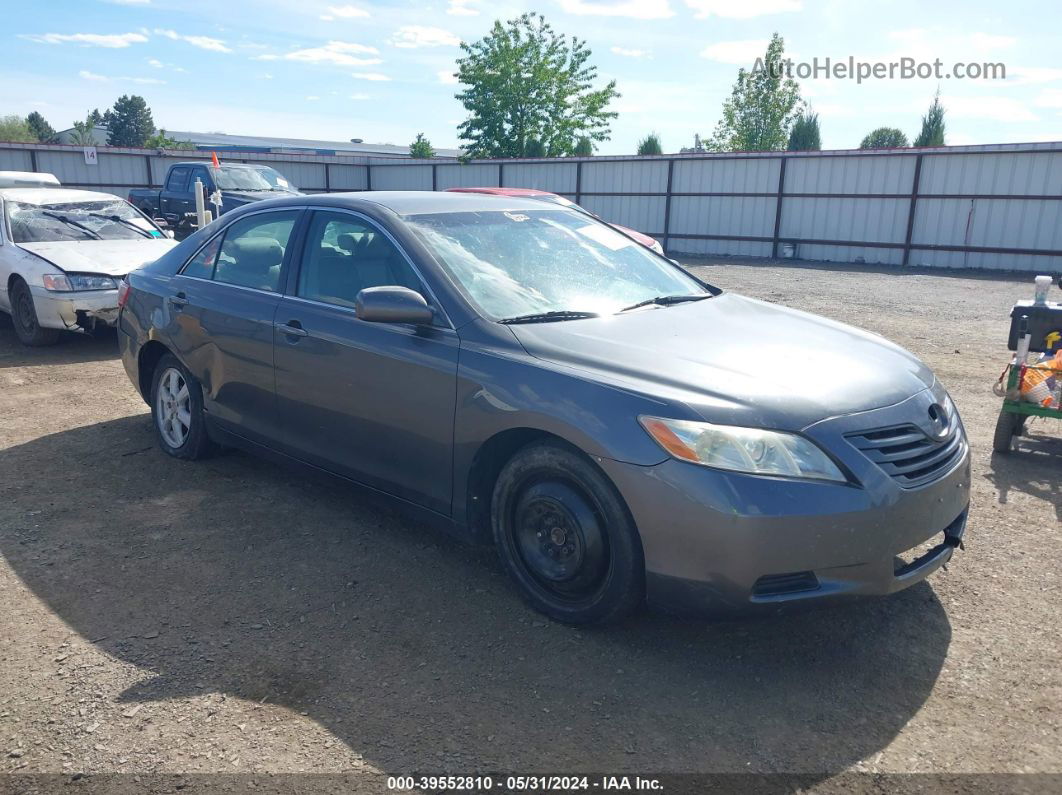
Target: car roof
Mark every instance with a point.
(503, 191)
(55, 195)
(417, 202)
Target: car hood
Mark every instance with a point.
(111, 257)
(736, 360)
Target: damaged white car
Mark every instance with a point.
(63, 254)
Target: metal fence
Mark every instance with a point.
(997, 207)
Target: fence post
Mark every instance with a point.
(368, 176)
(778, 207)
(328, 180)
(911, 210)
(434, 176)
(579, 182)
(150, 176)
(667, 206)
(33, 160)
(501, 175)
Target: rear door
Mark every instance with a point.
(221, 314)
(372, 401)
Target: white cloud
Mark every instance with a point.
(84, 74)
(446, 76)
(1003, 109)
(375, 76)
(742, 9)
(1049, 98)
(990, 41)
(110, 40)
(340, 53)
(629, 53)
(1025, 75)
(312, 98)
(634, 9)
(462, 8)
(347, 12)
(739, 53)
(412, 36)
(156, 63)
(202, 42)
(360, 97)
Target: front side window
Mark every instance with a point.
(103, 219)
(516, 263)
(178, 179)
(248, 254)
(344, 255)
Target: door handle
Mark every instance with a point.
(293, 328)
(179, 300)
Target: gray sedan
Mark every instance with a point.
(526, 375)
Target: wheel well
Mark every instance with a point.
(14, 277)
(146, 360)
(486, 466)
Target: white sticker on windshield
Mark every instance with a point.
(608, 238)
(518, 217)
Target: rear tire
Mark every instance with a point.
(177, 411)
(1008, 427)
(566, 538)
(24, 318)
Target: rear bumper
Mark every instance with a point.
(78, 311)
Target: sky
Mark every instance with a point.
(382, 70)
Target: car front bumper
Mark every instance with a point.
(715, 541)
(75, 311)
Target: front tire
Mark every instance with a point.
(177, 411)
(566, 538)
(24, 318)
(1008, 427)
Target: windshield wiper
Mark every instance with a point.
(118, 219)
(549, 317)
(72, 222)
(667, 300)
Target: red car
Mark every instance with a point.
(546, 196)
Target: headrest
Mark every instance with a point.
(379, 247)
(256, 252)
(347, 241)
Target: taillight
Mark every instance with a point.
(123, 293)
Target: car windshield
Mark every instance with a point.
(517, 263)
(102, 219)
(257, 178)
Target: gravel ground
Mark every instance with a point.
(235, 616)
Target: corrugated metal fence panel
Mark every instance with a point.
(401, 177)
(866, 220)
(555, 177)
(736, 175)
(644, 213)
(110, 170)
(625, 177)
(16, 160)
(741, 216)
(822, 253)
(977, 259)
(470, 176)
(885, 174)
(727, 248)
(992, 223)
(1038, 173)
(346, 177)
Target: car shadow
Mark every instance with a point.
(72, 348)
(238, 576)
(1033, 467)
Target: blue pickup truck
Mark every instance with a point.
(238, 184)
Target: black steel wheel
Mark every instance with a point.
(24, 318)
(565, 536)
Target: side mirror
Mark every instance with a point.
(392, 304)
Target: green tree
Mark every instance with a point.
(40, 127)
(82, 134)
(650, 145)
(15, 128)
(162, 141)
(535, 148)
(421, 147)
(884, 138)
(129, 122)
(805, 135)
(525, 82)
(932, 133)
(97, 119)
(762, 107)
(584, 147)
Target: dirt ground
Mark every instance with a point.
(235, 616)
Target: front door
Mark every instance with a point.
(372, 401)
(221, 312)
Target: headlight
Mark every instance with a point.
(752, 450)
(657, 248)
(66, 283)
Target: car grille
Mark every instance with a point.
(906, 454)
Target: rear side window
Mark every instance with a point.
(344, 255)
(178, 179)
(248, 254)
